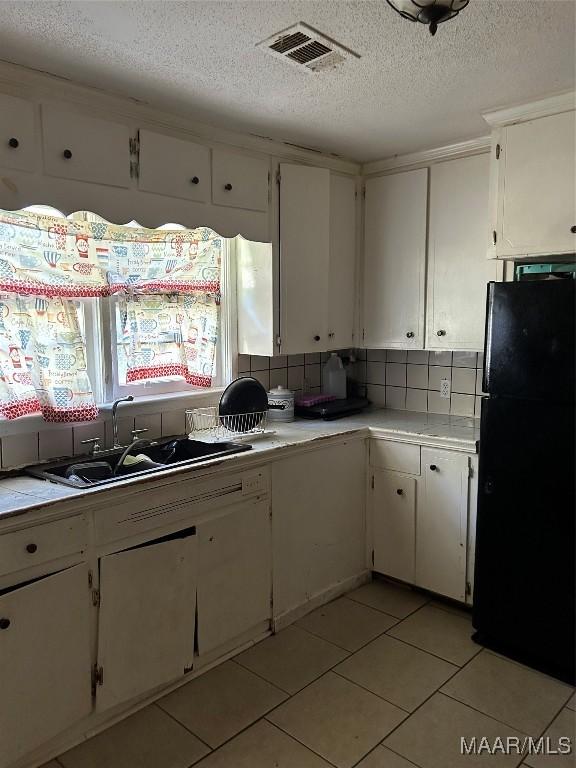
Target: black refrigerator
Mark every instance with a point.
(524, 581)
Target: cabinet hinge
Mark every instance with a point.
(278, 177)
(188, 669)
(90, 579)
(372, 482)
(134, 146)
(96, 597)
(363, 334)
(364, 192)
(470, 471)
(97, 677)
(372, 557)
(494, 236)
(278, 341)
(468, 588)
(498, 149)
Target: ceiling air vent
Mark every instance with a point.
(307, 49)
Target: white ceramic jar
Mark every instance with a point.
(281, 396)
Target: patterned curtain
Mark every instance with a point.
(170, 335)
(169, 286)
(42, 360)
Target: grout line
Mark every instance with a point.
(171, 716)
(291, 736)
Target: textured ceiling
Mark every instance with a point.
(407, 92)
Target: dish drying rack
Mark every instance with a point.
(207, 424)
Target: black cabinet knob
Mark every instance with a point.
(573, 229)
(31, 548)
(4, 623)
(410, 335)
(228, 187)
(433, 467)
(67, 154)
(400, 492)
(14, 143)
(195, 180)
(440, 333)
(316, 338)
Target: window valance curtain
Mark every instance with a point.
(169, 284)
(75, 258)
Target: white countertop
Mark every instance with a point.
(23, 494)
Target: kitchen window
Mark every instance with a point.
(166, 327)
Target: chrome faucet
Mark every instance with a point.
(127, 399)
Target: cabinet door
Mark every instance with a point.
(146, 626)
(394, 524)
(318, 522)
(394, 260)
(442, 523)
(234, 574)
(85, 148)
(44, 660)
(536, 187)
(174, 167)
(17, 145)
(458, 270)
(304, 258)
(240, 181)
(342, 270)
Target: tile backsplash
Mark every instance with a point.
(297, 372)
(392, 378)
(410, 380)
(399, 379)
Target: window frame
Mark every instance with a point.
(100, 324)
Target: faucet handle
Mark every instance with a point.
(94, 442)
(136, 432)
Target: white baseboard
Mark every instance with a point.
(293, 614)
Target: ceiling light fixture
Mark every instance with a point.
(431, 12)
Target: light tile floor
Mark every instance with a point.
(381, 678)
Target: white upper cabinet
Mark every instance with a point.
(342, 270)
(85, 148)
(174, 167)
(535, 187)
(458, 269)
(304, 258)
(17, 146)
(240, 181)
(394, 260)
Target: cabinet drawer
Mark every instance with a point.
(42, 543)
(399, 457)
(174, 167)
(240, 181)
(85, 148)
(17, 148)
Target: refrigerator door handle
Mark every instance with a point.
(487, 334)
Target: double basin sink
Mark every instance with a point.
(141, 458)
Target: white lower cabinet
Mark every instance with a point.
(318, 527)
(442, 523)
(394, 524)
(234, 574)
(420, 522)
(147, 617)
(44, 660)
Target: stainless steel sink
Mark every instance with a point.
(103, 469)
